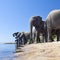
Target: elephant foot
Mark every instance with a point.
(30, 42)
(25, 43)
(50, 40)
(46, 41)
(58, 40)
(38, 41)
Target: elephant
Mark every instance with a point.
(53, 24)
(21, 38)
(25, 37)
(40, 26)
(18, 38)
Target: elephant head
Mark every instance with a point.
(18, 38)
(16, 34)
(35, 21)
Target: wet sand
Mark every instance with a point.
(40, 51)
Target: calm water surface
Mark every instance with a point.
(7, 51)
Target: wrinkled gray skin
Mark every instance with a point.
(40, 26)
(53, 23)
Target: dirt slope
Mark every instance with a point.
(40, 51)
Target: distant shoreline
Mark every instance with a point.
(9, 43)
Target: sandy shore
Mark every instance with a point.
(40, 51)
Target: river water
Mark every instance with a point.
(7, 51)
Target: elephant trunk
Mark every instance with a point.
(31, 40)
(13, 35)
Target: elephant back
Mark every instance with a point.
(35, 19)
(53, 19)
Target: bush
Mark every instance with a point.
(54, 37)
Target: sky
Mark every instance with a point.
(15, 15)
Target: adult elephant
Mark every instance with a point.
(18, 39)
(53, 23)
(21, 37)
(40, 26)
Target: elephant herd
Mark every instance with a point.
(47, 28)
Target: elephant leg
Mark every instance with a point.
(37, 38)
(31, 41)
(16, 43)
(20, 41)
(34, 37)
(50, 36)
(31, 27)
(58, 35)
(44, 37)
(25, 41)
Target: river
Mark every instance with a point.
(7, 51)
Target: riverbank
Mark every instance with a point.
(40, 51)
